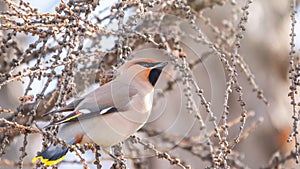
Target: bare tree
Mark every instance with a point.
(207, 106)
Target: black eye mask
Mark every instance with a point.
(147, 64)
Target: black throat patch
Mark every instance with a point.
(154, 75)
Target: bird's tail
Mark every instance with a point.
(53, 154)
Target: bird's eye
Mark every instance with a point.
(146, 64)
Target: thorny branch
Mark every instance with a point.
(78, 45)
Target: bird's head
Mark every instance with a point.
(143, 70)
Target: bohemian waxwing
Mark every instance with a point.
(109, 114)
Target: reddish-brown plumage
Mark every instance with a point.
(78, 112)
(78, 138)
(146, 73)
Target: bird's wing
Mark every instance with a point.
(84, 114)
(106, 95)
(70, 107)
(115, 94)
(106, 99)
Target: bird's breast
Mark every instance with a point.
(142, 103)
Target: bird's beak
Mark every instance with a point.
(160, 65)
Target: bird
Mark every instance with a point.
(109, 114)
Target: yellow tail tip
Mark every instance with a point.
(46, 161)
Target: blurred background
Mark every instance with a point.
(265, 48)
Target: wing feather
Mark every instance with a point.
(83, 114)
(70, 107)
(106, 99)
